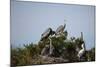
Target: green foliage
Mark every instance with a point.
(24, 56)
(90, 55)
(30, 53)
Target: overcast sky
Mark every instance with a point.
(30, 19)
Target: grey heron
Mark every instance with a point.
(60, 29)
(47, 33)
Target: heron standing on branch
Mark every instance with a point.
(48, 34)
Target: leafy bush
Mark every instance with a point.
(63, 47)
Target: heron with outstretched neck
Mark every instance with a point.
(81, 52)
(83, 49)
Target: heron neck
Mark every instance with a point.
(83, 47)
(50, 41)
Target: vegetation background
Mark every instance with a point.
(64, 47)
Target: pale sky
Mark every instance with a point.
(30, 19)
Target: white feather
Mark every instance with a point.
(81, 52)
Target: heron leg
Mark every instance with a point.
(51, 47)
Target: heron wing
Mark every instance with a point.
(46, 32)
(59, 28)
